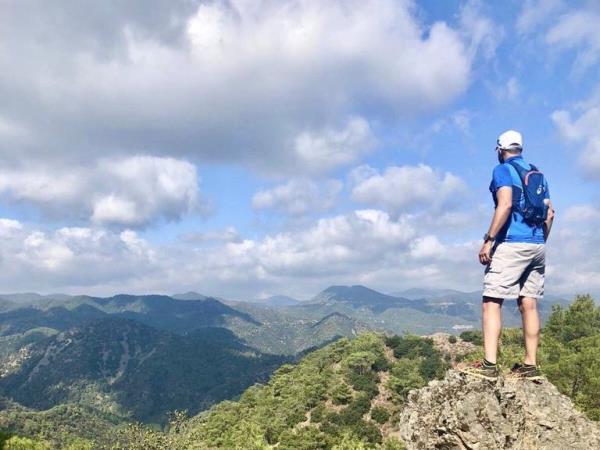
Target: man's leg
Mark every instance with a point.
(531, 327)
(492, 325)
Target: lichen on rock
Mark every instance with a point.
(464, 412)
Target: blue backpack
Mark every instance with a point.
(534, 210)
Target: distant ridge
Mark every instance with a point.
(276, 301)
(417, 293)
(189, 296)
(26, 297)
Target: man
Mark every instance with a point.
(513, 252)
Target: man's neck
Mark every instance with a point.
(512, 156)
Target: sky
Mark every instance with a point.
(249, 148)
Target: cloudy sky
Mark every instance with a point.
(245, 148)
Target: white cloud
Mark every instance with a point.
(331, 148)
(484, 34)
(228, 234)
(404, 188)
(130, 191)
(266, 84)
(535, 12)
(582, 215)
(511, 90)
(70, 258)
(583, 130)
(426, 247)
(362, 246)
(9, 226)
(459, 120)
(298, 197)
(573, 262)
(578, 30)
(94, 260)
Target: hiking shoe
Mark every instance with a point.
(526, 373)
(480, 370)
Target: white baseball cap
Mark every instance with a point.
(510, 139)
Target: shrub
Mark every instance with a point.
(317, 414)
(21, 443)
(475, 337)
(367, 431)
(432, 367)
(381, 364)
(355, 410)
(393, 444)
(365, 382)
(452, 339)
(307, 438)
(341, 394)
(380, 414)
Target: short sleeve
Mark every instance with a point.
(501, 177)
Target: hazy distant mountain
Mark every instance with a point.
(281, 329)
(163, 312)
(286, 330)
(276, 301)
(189, 296)
(32, 297)
(6, 304)
(460, 296)
(270, 329)
(123, 367)
(444, 310)
(419, 293)
(361, 296)
(385, 312)
(60, 318)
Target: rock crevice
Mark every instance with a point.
(467, 413)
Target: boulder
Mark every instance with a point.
(465, 412)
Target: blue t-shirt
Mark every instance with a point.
(515, 229)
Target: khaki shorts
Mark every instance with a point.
(517, 269)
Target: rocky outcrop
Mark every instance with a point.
(451, 345)
(464, 412)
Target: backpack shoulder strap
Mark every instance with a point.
(520, 170)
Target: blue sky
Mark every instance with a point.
(252, 148)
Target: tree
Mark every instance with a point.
(341, 394)
(580, 319)
(380, 414)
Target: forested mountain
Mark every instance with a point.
(276, 301)
(268, 329)
(372, 392)
(426, 311)
(124, 368)
(103, 362)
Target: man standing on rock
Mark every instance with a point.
(513, 252)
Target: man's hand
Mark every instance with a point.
(485, 254)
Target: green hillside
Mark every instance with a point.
(347, 395)
(350, 391)
(350, 394)
(59, 426)
(267, 329)
(124, 368)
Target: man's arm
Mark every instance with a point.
(501, 215)
(503, 210)
(548, 221)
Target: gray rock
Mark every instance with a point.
(464, 412)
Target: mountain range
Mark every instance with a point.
(140, 356)
(125, 368)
